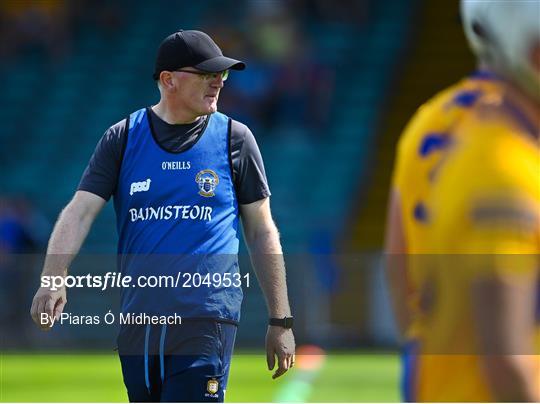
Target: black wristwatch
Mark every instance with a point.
(285, 322)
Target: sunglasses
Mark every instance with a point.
(208, 76)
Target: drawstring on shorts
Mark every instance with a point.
(146, 370)
(161, 351)
(161, 355)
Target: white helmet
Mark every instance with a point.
(502, 34)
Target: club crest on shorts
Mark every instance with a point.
(207, 181)
(212, 386)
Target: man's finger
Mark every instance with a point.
(284, 362)
(283, 366)
(49, 307)
(290, 361)
(59, 308)
(42, 308)
(33, 311)
(279, 372)
(270, 360)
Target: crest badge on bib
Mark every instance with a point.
(212, 386)
(207, 181)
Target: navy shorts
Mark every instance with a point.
(188, 362)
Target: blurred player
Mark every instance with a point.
(421, 150)
(467, 181)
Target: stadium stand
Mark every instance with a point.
(414, 85)
(53, 114)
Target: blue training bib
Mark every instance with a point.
(177, 219)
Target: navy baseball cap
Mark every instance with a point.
(193, 49)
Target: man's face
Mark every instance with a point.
(197, 91)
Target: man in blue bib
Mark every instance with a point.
(182, 175)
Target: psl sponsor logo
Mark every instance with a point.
(141, 186)
(207, 181)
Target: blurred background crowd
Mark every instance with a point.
(328, 87)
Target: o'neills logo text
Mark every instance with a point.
(172, 212)
(176, 165)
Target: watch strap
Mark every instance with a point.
(285, 322)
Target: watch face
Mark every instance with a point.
(286, 322)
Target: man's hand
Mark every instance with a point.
(280, 343)
(49, 302)
(66, 239)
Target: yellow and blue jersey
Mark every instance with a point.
(470, 197)
(485, 204)
(421, 149)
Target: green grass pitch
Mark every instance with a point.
(97, 377)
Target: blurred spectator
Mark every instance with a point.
(27, 24)
(284, 85)
(339, 11)
(248, 95)
(105, 15)
(23, 234)
(22, 229)
(48, 25)
(304, 89)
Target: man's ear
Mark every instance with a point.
(166, 80)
